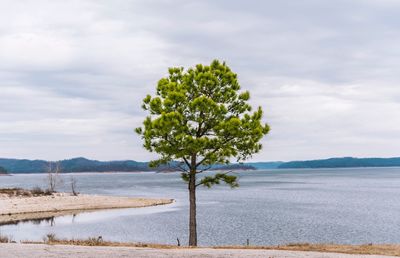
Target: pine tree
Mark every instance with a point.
(198, 117)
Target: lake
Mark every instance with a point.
(347, 206)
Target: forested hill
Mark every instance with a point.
(86, 165)
(3, 171)
(343, 163)
(71, 165)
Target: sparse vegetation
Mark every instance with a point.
(19, 192)
(367, 249)
(6, 239)
(370, 249)
(73, 186)
(49, 238)
(37, 191)
(52, 239)
(53, 176)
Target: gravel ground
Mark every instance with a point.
(62, 251)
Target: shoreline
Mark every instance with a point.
(21, 208)
(103, 248)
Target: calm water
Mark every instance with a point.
(270, 207)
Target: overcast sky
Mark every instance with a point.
(73, 73)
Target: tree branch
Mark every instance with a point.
(187, 162)
(209, 181)
(214, 151)
(205, 169)
(179, 167)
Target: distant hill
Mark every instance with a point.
(347, 162)
(234, 167)
(3, 171)
(72, 165)
(23, 165)
(86, 165)
(265, 165)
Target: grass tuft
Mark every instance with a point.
(6, 239)
(19, 192)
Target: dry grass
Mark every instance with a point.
(37, 191)
(377, 249)
(52, 239)
(6, 239)
(18, 192)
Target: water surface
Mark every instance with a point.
(348, 206)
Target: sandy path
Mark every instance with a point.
(61, 251)
(22, 208)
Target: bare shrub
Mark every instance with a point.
(37, 191)
(94, 241)
(73, 186)
(11, 191)
(53, 176)
(6, 239)
(50, 238)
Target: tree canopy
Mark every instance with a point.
(201, 112)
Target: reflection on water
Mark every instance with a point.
(48, 220)
(349, 206)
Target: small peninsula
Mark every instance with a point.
(18, 204)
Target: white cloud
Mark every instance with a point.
(73, 73)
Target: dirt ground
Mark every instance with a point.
(63, 251)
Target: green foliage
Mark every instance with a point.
(209, 181)
(200, 117)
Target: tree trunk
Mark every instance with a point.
(192, 201)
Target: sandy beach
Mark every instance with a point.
(65, 251)
(14, 208)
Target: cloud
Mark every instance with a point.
(73, 73)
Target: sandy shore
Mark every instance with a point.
(13, 209)
(62, 251)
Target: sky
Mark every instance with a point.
(73, 73)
